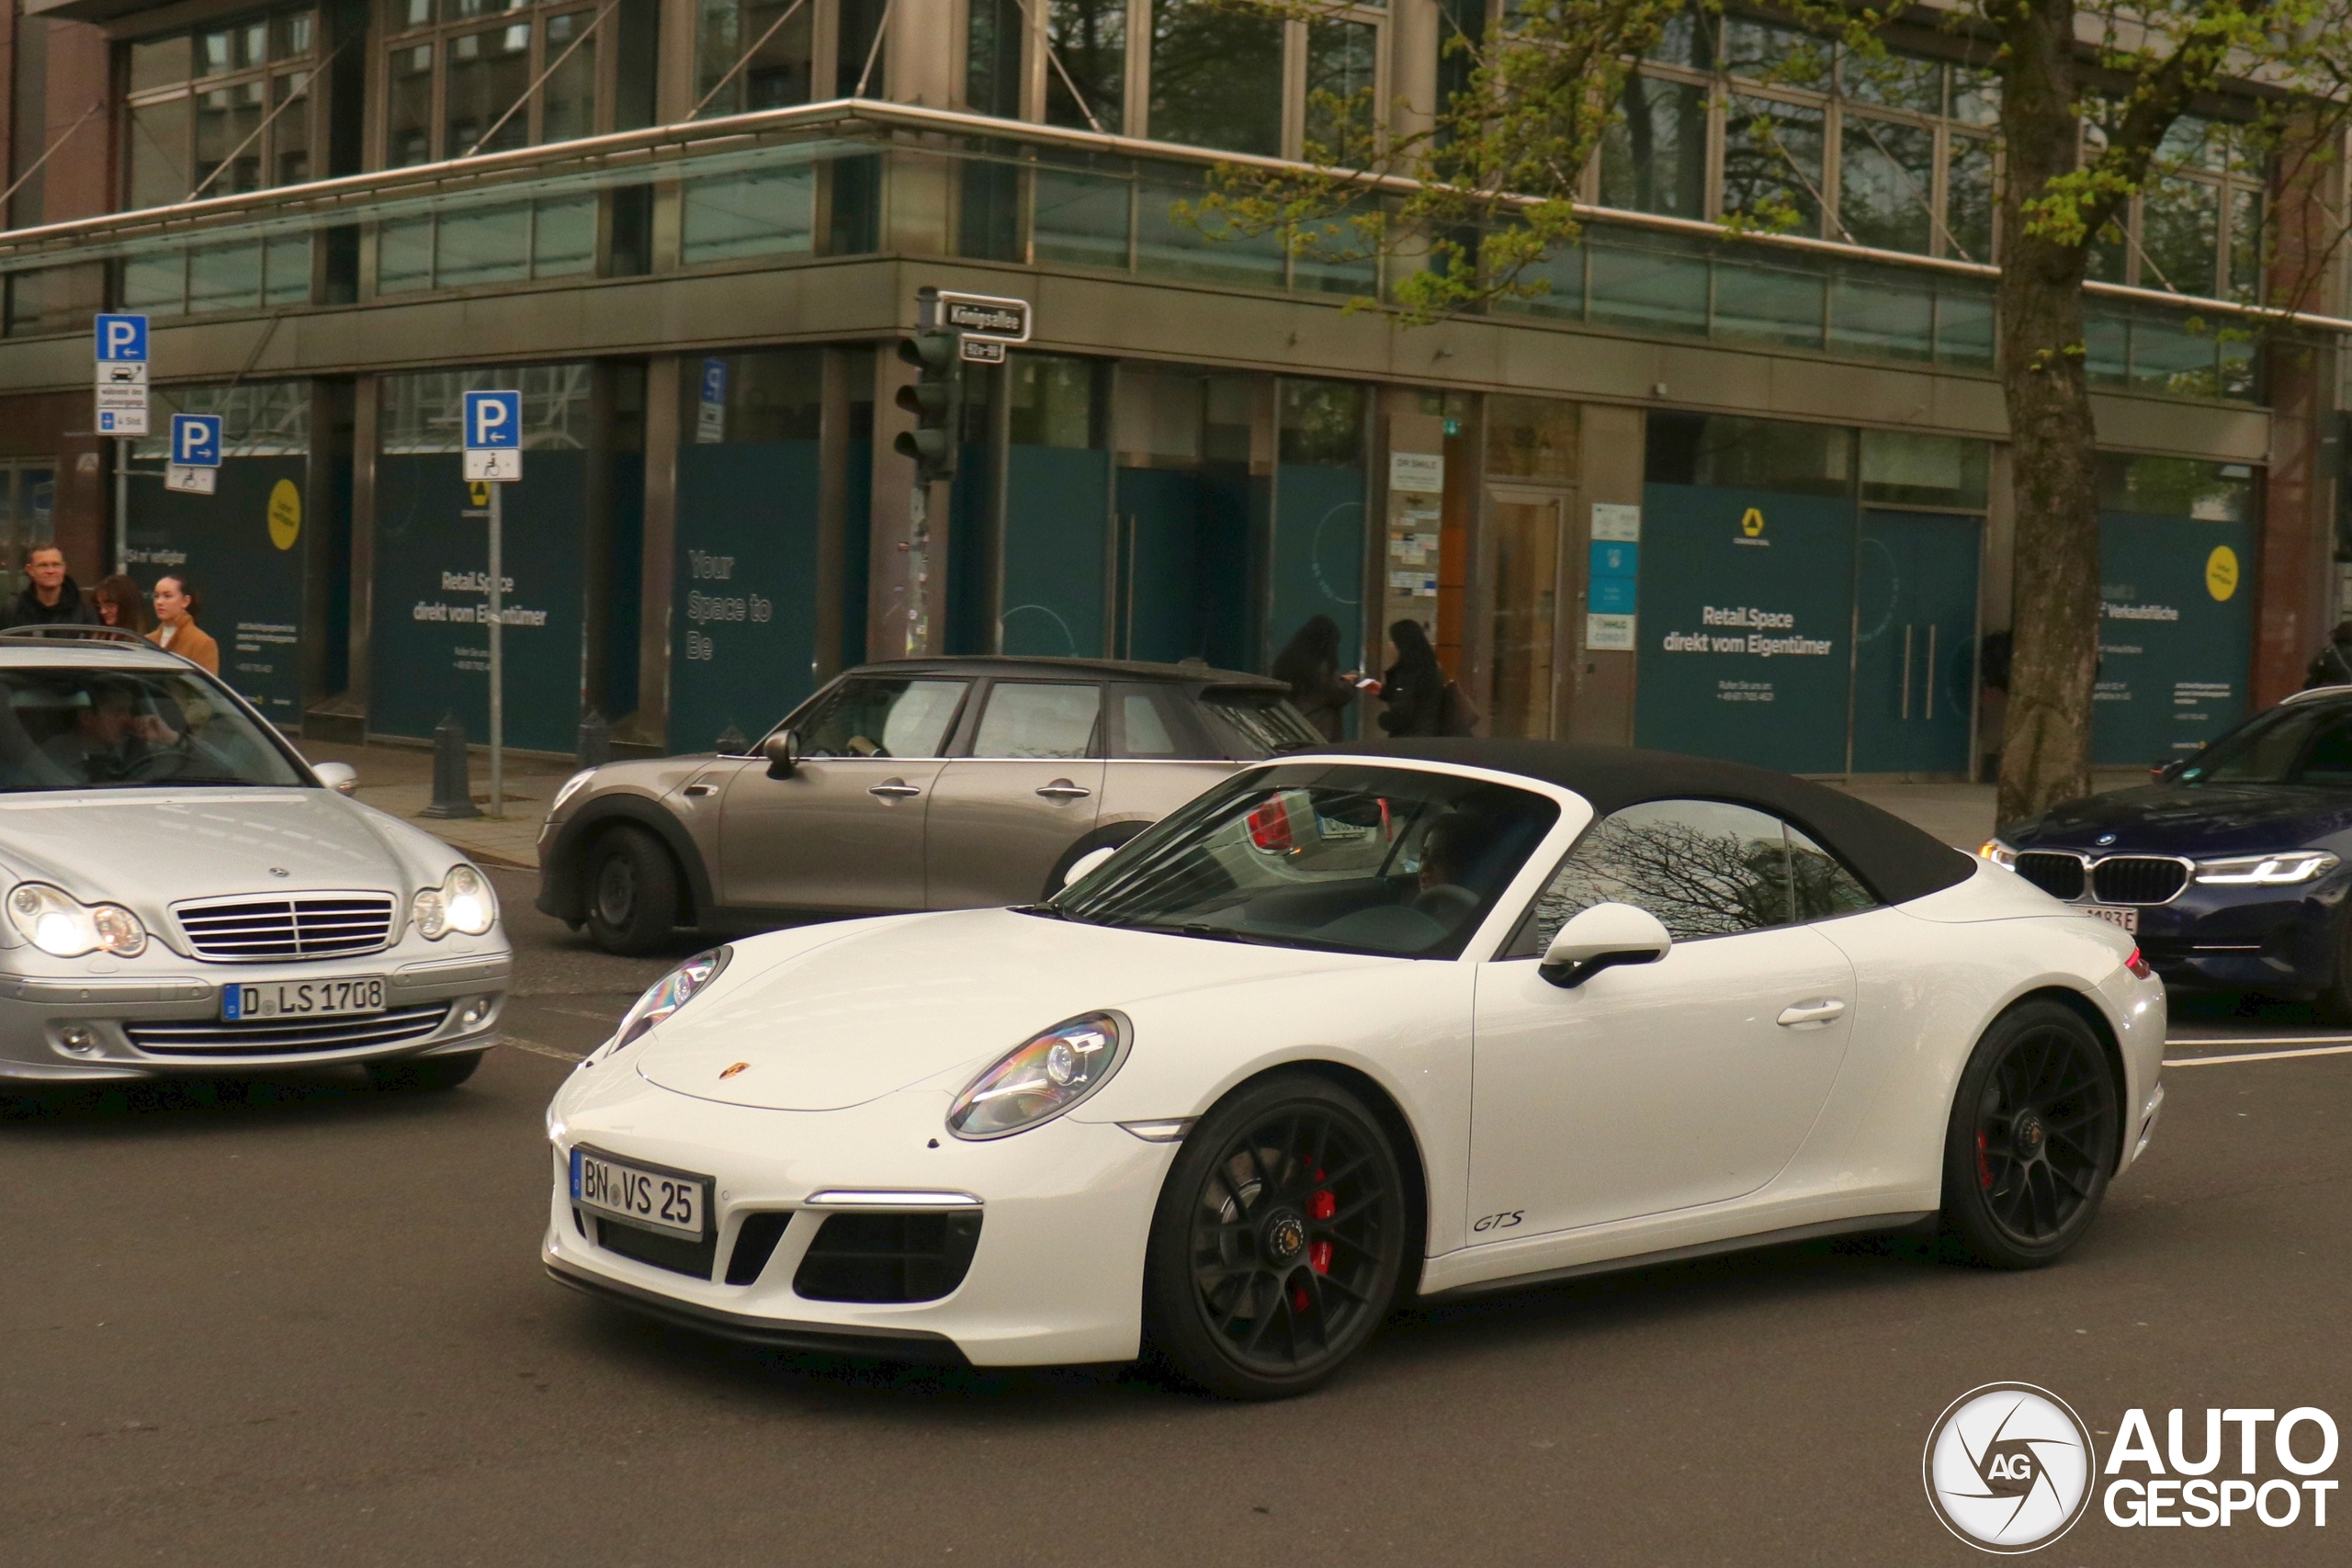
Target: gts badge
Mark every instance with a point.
(1501, 1222)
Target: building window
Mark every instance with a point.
(2197, 227)
(466, 76)
(781, 69)
(224, 110)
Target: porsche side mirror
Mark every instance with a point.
(1600, 938)
(1083, 866)
(783, 751)
(340, 777)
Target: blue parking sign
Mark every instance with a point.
(121, 339)
(714, 380)
(494, 420)
(196, 440)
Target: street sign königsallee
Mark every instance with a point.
(985, 316)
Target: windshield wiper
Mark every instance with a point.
(1216, 933)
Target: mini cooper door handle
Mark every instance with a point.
(1062, 789)
(894, 787)
(1811, 1013)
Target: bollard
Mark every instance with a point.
(732, 742)
(595, 741)
(453, 792)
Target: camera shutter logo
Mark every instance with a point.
(2009, 1467)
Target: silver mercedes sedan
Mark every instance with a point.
(184, 893)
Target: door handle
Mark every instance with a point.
(894, 787)
(1062, 789)
(1803, 1013)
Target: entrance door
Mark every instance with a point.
(1527, 526)
(1914, 642)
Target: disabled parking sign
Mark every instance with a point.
(193, 465)
(493, 437)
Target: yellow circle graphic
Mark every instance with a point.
(285, 514)
(2222, 572)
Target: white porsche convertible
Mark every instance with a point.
(1348, 1028)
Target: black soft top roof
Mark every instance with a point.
(1898, 861)
(1190, 672)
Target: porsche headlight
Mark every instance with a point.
(668, 994)
(1042, 1077)
(570, 787)
(1999, 853)
(2267, 870)
(63, 927)
(463, 903)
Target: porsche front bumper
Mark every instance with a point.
(1056, 1277)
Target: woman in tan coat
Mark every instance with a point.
(176, 628)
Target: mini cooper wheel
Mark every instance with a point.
(1278, 1242)
(2032, 1138)
(423, 1074)
(632, 893)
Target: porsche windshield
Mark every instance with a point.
(83, 728)
(1353, 858)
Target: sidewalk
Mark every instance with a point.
(399, 779)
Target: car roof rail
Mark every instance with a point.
(2316, 692)
(70, 631)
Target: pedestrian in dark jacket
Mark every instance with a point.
(51, 598)
(1413, 691)
(1310, 664)
(2333, 664)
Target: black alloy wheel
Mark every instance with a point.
(632, 892)
(1278, 1243)
(2032, 1138)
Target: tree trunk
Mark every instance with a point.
(2054, 663)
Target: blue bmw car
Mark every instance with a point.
(2231, 867)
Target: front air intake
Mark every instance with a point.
(888, 1258)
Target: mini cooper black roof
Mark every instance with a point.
(1190, 672)
(1898, 861)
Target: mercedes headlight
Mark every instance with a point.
(63, 927)
(463, 903)
(2267, 870)
(1042, 1077)
(668, 994)
(1999, 853)
(570, 787)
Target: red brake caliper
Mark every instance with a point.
(1984, 1166)
(1321, 1206)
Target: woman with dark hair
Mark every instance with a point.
(121, 603)
(1413, 691)
(1310, 664)
(176, 628)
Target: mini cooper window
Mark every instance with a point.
(1703, 867)
(1352, 858)
(1039, 719)
(1261, 724)
(111, 729)
(867, 716)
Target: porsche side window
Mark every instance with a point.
(1823, 888)
(870, 716)
(1039, 719)
(1703, 867)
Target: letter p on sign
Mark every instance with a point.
(196, 440)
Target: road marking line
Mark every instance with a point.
(536, 1049)
(2256, 1056)
(2267, 1040)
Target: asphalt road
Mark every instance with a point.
(296, 1323)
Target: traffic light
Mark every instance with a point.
(936, 399)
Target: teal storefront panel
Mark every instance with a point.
(2175, 634)
(1747, 606)
(1318, 556)
(744, 624)
(244, 546)
(430, 651)
(1055, 533)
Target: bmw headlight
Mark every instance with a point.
(668, 994)
(570, 787)
(1042, 1077)
(2267, 870)
(63, 927)
(463, 903)
(1999, 853)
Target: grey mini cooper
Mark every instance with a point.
(184, 893)
(934, 784)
